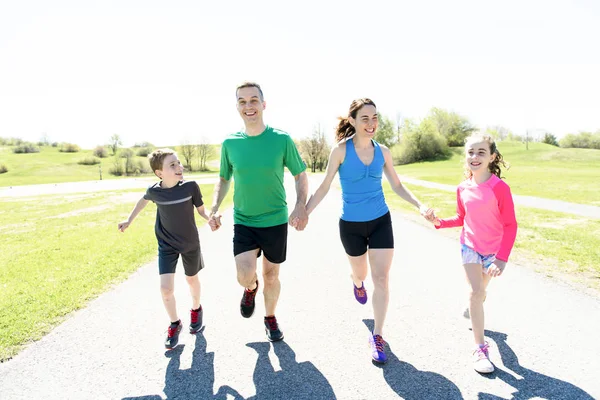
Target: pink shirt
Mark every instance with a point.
(487, 214)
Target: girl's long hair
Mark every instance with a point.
(345, 129)
(498, 161)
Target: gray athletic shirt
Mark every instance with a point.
(175, 226)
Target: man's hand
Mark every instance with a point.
(214, 221)
(496, 268)
(299, 218)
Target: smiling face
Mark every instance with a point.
(250, 104)
(366, 121)
(478, 156)
(172, 170)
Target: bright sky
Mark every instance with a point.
(166, 72)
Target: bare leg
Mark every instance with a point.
(194, 284)
(359, 269)
(381, 262)
(167, 289)
(478, 282)
(246, 269)
(272, 286)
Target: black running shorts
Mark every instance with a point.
(358, 236)
(167, 261)
(272, 241)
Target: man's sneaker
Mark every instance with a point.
(196, 320)
(272, 329)
(360, 293)
(173, 335)
(481, 360)
(247, 304)
(377, 345)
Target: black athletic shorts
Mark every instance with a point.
(358, 236)
(272, 241)
(167, 261)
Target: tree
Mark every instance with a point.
(422, 143)
(315, 150)
(386, 134)
(115, 142)
(498, 132)
(205, 151)
(550, 139)
(455, 128)
(187, 152)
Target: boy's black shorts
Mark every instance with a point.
(375, 234)
(167, 261)
(272, 241)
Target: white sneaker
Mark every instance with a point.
(481, 360)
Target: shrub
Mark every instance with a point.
(3, 168)
(550, 139)
(89, 161)
(68, 148)
(101, 152)
(144, 151)
(422, 143)
(117, 168)
(26, 148)
(126, 153)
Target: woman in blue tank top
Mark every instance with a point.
(365, 225)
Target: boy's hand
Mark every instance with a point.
(124, 225)
(496, 268)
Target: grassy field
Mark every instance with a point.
(554, 243)
(544, 171)
(52, 166)
(61, 251)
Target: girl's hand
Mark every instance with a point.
(496, 268)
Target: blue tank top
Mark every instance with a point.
(362, 194)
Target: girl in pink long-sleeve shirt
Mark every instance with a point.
(485, 210)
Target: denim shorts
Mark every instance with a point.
(470, 256)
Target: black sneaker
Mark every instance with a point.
(272, 329)
(247, 304)
(195, 320)
(173, 335)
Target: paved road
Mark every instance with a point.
(543, 334)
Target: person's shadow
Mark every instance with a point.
(411, 383)
(193, 383)
(294, 381)
(532, 384)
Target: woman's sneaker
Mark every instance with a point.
(173, 335)
(360, 293)
(377, 345)
(196, 320)
(481, 360)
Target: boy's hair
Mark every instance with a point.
(157, 157)
(250, 84)
(494, 166)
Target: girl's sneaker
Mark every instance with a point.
(360, 294)
(377, 345)
(481, 360)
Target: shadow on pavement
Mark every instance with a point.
(193, 383)
(532, 384)
(294, 381)
(411, 383)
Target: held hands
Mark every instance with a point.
(429, 214)
(496, 268)
(214, 221)
(124, 225)
(299, 218)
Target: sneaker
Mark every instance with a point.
(360, 294)
(247, 304)
(173, 335)
(196, 320)
(377, 345)
(481, 360)
(272, 329)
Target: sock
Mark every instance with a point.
(198, 309)
(176, 322)
(269, 316)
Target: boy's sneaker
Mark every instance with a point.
(247, 304)
(481, 360)
(196, 320)
(173, 335)
(272, 329)
(360, 293)
(377, 345)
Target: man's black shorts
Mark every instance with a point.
(375, 234)
(272, 241)
(167, 261)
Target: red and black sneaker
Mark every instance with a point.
(272, 329)
(196, 320)
(247, 304)
(173, 335)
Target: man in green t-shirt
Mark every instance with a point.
(256, 158)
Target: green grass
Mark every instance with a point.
(543, 171)
(61, 251)
(557, 243)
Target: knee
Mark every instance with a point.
(192, 280)
(167, 291)
(381, 280)
(271, 277)
(477, 295)
(246, 276)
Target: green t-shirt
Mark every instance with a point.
(256, 164)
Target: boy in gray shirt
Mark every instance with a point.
(176, 233)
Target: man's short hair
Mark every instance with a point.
(250, 84)
(157, 157)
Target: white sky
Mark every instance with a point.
(166, 72)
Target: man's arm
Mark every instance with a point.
(299, 218)
(220, 191)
